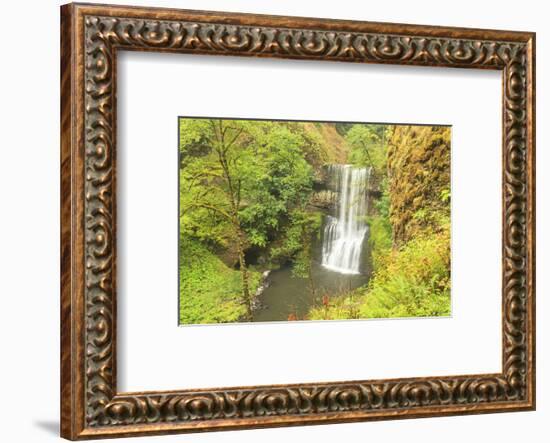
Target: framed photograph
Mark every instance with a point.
(254, 235)
(294, 220)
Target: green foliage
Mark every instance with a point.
(380, 229)
(338, 308)
(445, 195)
(313, 145)
(209, 290)
(207, 170)
(240, 181)
(382, 204)
(202, 223)
(343, 128)
(297, 239)
(415, 281)
(282, 179)
(367, 143)
(255, 168)
(380, 239)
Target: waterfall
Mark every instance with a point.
(343, 235)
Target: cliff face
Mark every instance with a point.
(333, 149)
(332, 146)
(419, 167)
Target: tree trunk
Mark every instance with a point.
(244, 277)
(234, 195)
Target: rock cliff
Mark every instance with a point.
(419, 179)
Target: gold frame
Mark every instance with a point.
(91, 36)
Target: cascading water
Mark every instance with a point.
(344, 234)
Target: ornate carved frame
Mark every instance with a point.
(91, 36)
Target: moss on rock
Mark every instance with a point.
(419, 168)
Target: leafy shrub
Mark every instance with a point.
(414, 283)
(210, 292)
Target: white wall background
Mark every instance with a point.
(29, 223)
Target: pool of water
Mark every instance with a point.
(288, 294)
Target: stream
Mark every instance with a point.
(340, 256)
